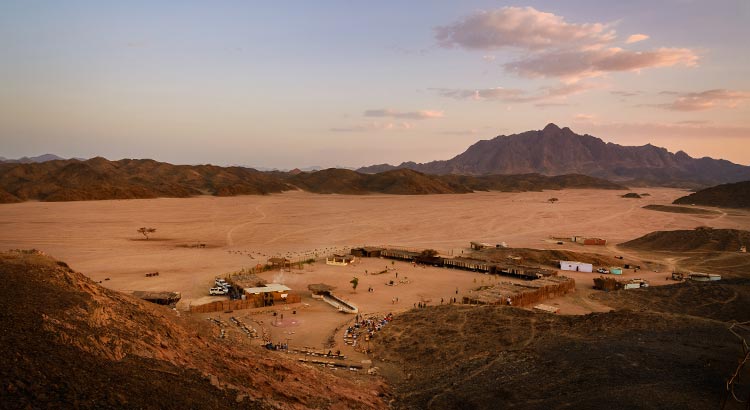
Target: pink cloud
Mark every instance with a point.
(521, 27)
(554, 47)
(573, 65)
(707, 100)
(636, 38)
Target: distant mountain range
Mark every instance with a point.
(556, 151)
(27, 160)
(99, 178)
(736, 195)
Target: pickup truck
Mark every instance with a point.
(217, 291)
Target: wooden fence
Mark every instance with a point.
(543, 293)
(531, 297)
(224, 305)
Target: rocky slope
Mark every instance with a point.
(556, 151)
(68, 342)
(736, 195)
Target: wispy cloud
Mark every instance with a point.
(682, 129)
(411, 115)
(623, 93)
(375, 126)
(636, 38)
(706, 100)
(516, 95)
(497, 93)
(584, 117)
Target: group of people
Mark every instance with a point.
(276, 346)
(366, 327)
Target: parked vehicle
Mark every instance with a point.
(217, 291)
(221, 283)
(602, 270)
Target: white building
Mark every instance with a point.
(576, 266)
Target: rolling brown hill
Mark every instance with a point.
(530, 182)
(736, 195)
(409, 182)
(98, 178)
(398, 182)
(556, 151)
(69, 343)
(701, 239)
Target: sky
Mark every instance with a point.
(284, 84)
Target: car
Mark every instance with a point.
(602, 270)
(217, 291)
(222, 283)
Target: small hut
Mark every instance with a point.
(270, 294)
(279, 263)
(339, 260)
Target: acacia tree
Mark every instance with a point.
(429, 253)
(146, 231)
(552, 200)
(354, 282)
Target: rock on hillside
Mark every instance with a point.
(700, 239)
(68, 342)
(556, 151)
(735, 195)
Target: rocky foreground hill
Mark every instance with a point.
(67, 342)
(735, 195)
(556, 151)
(98, 178)
(668, 352)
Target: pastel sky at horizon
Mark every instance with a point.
(338, 83)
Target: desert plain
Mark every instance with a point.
(100, 239)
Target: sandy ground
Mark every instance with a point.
(99, 238)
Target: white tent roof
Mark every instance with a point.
(271, 287)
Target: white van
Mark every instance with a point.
(217, 291)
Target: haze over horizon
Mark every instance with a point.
(297, 85)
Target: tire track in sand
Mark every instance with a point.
(230, 241)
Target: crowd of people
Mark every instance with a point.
(365, 329)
